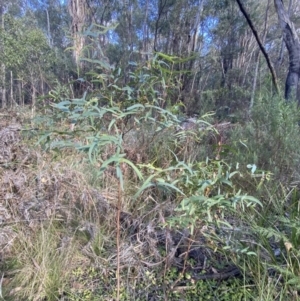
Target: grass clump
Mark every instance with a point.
(43, 265)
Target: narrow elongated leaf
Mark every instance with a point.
(251, 199)
(92, 147)
(136, 106)
(61, 104)
(165, 184)
(120, 176)
(103, 64)
(167, 57)
(114, 159)
(145, 185)
(133, 166)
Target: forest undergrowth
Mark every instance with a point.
(133, 200)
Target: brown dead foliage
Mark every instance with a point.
(34, 190)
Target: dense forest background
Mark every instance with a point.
(219, 63)
(149, 150)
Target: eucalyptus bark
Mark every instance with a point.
(78, 10)
(292, 43)
(280, 56)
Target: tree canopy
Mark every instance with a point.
(217, 48)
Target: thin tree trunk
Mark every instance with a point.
(145, 34)
(161, 6)
(262, 48)
(247, 61)
(23, 99)
(12, 101)
(48, 29)
(257, 61)
(4, 100)
(20, 92)
(3, 69)
(33, 96)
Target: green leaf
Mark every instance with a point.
(103, 64)
(232, 174)
(120, 176)
(63, 106)
(251, 199)
(162, 183)
(114, 159)
(136, 106)
(133, 166)
(169, 58)
(145, 185)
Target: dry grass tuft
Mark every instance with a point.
(44, 204)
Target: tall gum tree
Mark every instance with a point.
(78, 10)
(292, 43)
